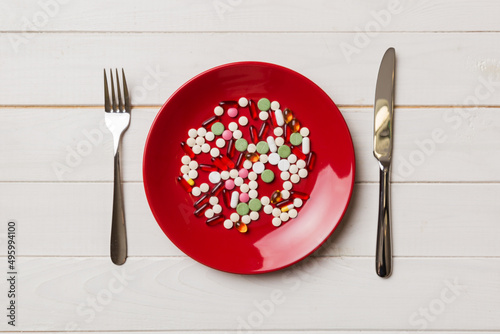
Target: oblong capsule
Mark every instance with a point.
(264, 129)
(217, 189)
(228, 104)
(202, 200)
(272, 144)
(218, 162)
(188, 179)
(240, 160)
(310, 161)
(207, 123)
(252, 107)
(278, 114)
(284, 203)
(215, 220)
(184, 184)
(306, 145)
(298, 194)
(287, 208)
(226, 197)
(225, 160)
(287, 115)
(272, 118)
(189, 152)
(241, 227)
(254, 135)
(276, 197)
(294, 125)
(234, 199)
(201, 210)
(298, 152)
(230, 148)
(253, 157)
(287, 132)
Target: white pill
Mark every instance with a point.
(268, 209)
(292, 158)
(217, 208)
(200, 140)
(243, 101)
(279, 117)
(192, 133)
(205, 148)
(287, 185)
(191, 142)
(215, 152)
(293, 169)
(265, 200)
(283, 165)
(218, 111)
(293, 213)
(197, 149)
(276, 212)
(297, 202)
(247, 164)
(279, 141)
(243, 121)
(253, 193)
(220, 143)
(233, 126)
(228, 224)
(213, 200)
(204, 187)
(246, 219)
(237, 134)
(193, 164)
(238, 181)
(301, 164)
(304, 132)
(264, 158)
(276, 221)
(303, 173)
(253, 184)
(234, 199)
(285, 194)
(306, 145)
(258, 167)
(274, 158)
(284, 216)
(224, 175)
(234, 217)
(254, 215)
(214, 177)
(202, 132)
(209, 213)
(275, 105)
(185, 169)
(244, 188)
(252, 176)
(264, 115)
(209, 136)
(196, 191)
(278, 132)
(295, 178)
(251, 148)
(285, 176)
(193, 174)
(185, 159)
(272, 144)
(233, 173)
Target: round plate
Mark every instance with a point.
(263, 248)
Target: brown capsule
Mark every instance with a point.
(276, 197)
(241, 227)
(294, 125)
(287, 115)
(253, 157)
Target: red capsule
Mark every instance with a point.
(215, 220)
(230, 148)
(228, 162)
(298, 194)
(298, 152)
(272, 117)
(287, 133)
(229, 104)
(184, 184)
(210, 121)
(254, 135)
(207, 168)
(217, 189)
(254, 111)
(203, 199)
(239, 162)
(226, 197)
(201, 210)
(310, 161)
(187, 150)
(218, 162)
(263, 130)
(284, 203)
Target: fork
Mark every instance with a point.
(117, 119)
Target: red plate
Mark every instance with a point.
(263, 248)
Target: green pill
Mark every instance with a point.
(264, 104)
(255, 204)
(242, 209)
(241, 145)
(284, 151)
(217, 128)
(262, 147)
(267, 176)
(296, 139)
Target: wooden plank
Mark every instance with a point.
(318, 294)
(72, 144)
(74, 219)
(450, 69)
(226, 15)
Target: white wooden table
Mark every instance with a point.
(56, 165)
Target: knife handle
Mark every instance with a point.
(384, 240)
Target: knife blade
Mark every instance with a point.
(382, 150)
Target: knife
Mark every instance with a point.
(382, 150)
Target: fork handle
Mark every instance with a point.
(118, 231)
(384, 242)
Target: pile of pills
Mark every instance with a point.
(275, 150)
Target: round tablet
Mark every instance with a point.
(210, 136)
(196, 191)
(293, 213)
(301, 163)
(232, 112)
(241, 145)
(202, 132)
(264, 104)
(264, 158)
(220, 142)
(214, 177)
(233, 173)
(253, 184)
(193, 174)
(283, 165)
(218, 111)
(191, 141)
(293, 169)
(258, 167)
(255, 204)
(238, 181)
(252, 176)
(242, 209)
(228, 224)
(185, 159)
(185, 169)
(213, 200)
(247, 164)
(279, 141)
(246, 219)
(197, 149)
(304, 132)
(295, 178)
(287, 185)
(292, 158)
(275, 105)
(285, 194)
(278, 132)
(200, 140)
(192, 133)
(215, 152)
(237, 134)
(217, 208)
(276, 221)
(251, 148)
(262, 147)
(224, 175)
(205, 148)
(274, 158)
(285, 176)
(303, 173)
(265, 200)
(209, 213)
(193, 164)
(296, 139)
(234, 217)
(276, 212)
(243, 101)
(229, 185)
(254, 215)
(204, 187)
(243, 121)
(243, 173)
(263, 115)
(244, 188)
(297, 202)
(233, 126)
(217, 128)
(244, 198)
(227, 135)
(253, 193)
(268, 209)
(284, 151)
(284, 216)
(267, 176)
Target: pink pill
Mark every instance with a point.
(244, 197)
(229, 184)
(243, 173)
(227, 134)
(232, 112)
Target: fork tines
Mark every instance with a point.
(114, 105)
